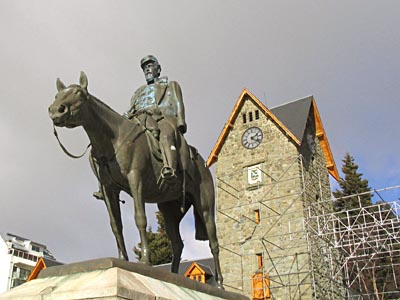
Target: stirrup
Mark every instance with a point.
(167, 172)
(98, 195)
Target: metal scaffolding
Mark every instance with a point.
(368, 241)
(315, 253)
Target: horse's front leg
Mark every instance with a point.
(173, 215)
(136, 187)
(113, 207)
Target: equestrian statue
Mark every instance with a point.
(145, 154)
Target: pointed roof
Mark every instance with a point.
(206, 264)
(194, 266)
(294, 115)
(42, 264)
(290, 117)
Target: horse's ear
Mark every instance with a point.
(83, 80)
(60, 85)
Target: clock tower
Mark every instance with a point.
(270, 165)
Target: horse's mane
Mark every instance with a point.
(101, 103)
(109, 115)
(98, 101)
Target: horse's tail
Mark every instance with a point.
(204, 208)
(201, 231)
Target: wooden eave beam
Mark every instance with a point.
(40, 265)
(213, 157)
(320, 133)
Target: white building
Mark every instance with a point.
(18, 256)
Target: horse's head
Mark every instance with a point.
(69, 103)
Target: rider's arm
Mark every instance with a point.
(131, 111)
(180, 108)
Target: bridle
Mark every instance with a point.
(65, 149)
(103, 160)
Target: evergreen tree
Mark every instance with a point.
(159, 244)
(372, 271)
(351, 184)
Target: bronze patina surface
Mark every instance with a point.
(124, 157)
(162, 101)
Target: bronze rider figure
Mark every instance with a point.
(162, 101)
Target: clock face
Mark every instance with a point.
(252, 137)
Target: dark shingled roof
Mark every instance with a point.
(51, 262)
(294, 115)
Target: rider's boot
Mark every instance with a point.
(168, 171)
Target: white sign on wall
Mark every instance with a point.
(254, 174)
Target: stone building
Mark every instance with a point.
(269, 164)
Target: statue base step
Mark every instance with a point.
(112, 279)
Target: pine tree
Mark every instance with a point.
(351, 184)
(159, 244)
(371, 270)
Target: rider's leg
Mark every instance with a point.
(168, 147)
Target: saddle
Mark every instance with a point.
(186, 153)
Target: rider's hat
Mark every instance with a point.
(148, 58)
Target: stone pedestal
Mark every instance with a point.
(112, 279)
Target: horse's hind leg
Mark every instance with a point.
(206, 210)
(173, 215)
(214, 246)
(114, 211)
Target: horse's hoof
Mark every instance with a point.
(123, 256)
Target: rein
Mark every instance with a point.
(65, 150)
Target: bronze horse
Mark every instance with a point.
(124, 161)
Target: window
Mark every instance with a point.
(198, 277)
(257, 216)
(260, 261)
(22, 254)
(250, 117)
(23, 274)
(19, 276)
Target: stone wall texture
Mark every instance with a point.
(291, 176)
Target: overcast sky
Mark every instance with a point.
(345, 53)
